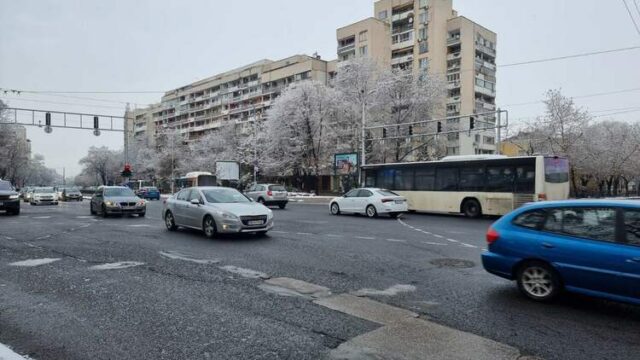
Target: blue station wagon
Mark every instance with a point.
(590, 247)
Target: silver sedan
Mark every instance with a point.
(216, 210)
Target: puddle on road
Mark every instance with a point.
(34, 262)
(116, 266)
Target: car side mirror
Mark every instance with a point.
(195, 202)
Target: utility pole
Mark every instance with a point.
(499, 134)
(64, 177)
(363, 160)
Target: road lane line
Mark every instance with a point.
(433, 243)
(34, 262)
(453, 240)
(365, 238)
(438, 236)
(301, 233)
(396, 240)
(469, 245)
(116, 266)
(334, 236)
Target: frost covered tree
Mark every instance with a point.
(103, 163)
(403, 98)
(172, 154)
(299, 137)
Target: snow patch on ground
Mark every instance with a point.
(392, 291)
(174, 255)
(117, 265)
(8, 354)
(247, 273)
(34, 262)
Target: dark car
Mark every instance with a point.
(117, 200)
(9, 198)
(70, 194)
(590, 247)
(149, 192)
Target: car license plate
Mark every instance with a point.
(255, 222)
(399, 201)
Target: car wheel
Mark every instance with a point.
(261, 201)
(335, 209)
(15, 212)
(91, 209)
(142, 214)
(394, 215)
(104, 211)
(261, 234)
(471, 209)
(539, 281)
(169, 221)
(209, 227)
(371, 211)
(282, 206)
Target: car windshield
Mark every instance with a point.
(277, 188)
(387, 193)
(118, 192)
(5, 185)
(47, 190)
(224, 196)
(151, 189)
(73, 190)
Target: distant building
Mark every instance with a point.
(429, 34)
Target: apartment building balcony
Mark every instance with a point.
(482, 107)
(346, 48)
(403, 40)
(454, 56)
(402, 16)
(485, 49)
(485, 91)
(453, 41)
(453, 85)
(484, 64)
(402, 59)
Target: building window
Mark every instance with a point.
(363, 50)
(423, 3)
(422, 34)
(382, 15)
(453, 150)
(489, 140)
(424, 47)
(424, 63)
(423, 17)
(478, 138)
(362, 36)
(453, 77)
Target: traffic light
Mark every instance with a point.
(384, 132)
(410, 130)
(47, 119)
(96, 123)
(126, 173)
(439, 126)
(472, 123)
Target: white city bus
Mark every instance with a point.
(474, 185)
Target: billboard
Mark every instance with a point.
(228, 170)
(346, 164)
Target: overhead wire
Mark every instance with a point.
(633, 20)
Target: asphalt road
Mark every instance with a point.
(179, 295)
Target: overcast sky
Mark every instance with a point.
(157, 45)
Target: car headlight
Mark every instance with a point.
(111, 203)
(229, 216)
(141, 203)
(14, 197)
(270, 215)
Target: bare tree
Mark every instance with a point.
(103, 163)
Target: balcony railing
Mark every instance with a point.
(453, 56)
(453, 40)
(485, 49)
(401, 16)
(402, 59)
(345, 48)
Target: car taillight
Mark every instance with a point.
(386, 200)
(270, 193)
(492, 236)
(542, 197)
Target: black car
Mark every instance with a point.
(9, 198)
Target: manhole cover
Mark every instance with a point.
(453, 263)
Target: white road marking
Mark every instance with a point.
(334, 236)
(438, 236)
(453, 240)
(247, 273)
(433, 243)
(365, 237)
(392, 291)
(397, 240)
(117, 265)
(279, 232)
(34, 262)
(43, 237)
(42, 217)
(84, 226)
(8, 238)
(140, 225)
(301, 233)
(469, 245)
(174, 255)
(84, 217)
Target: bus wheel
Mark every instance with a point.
(471, 208)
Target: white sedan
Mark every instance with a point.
(369, 201)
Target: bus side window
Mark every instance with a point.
(472, 178)
(500, 178)
(525, 179)
(403, 180)
(447, 179)
(424, 179)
